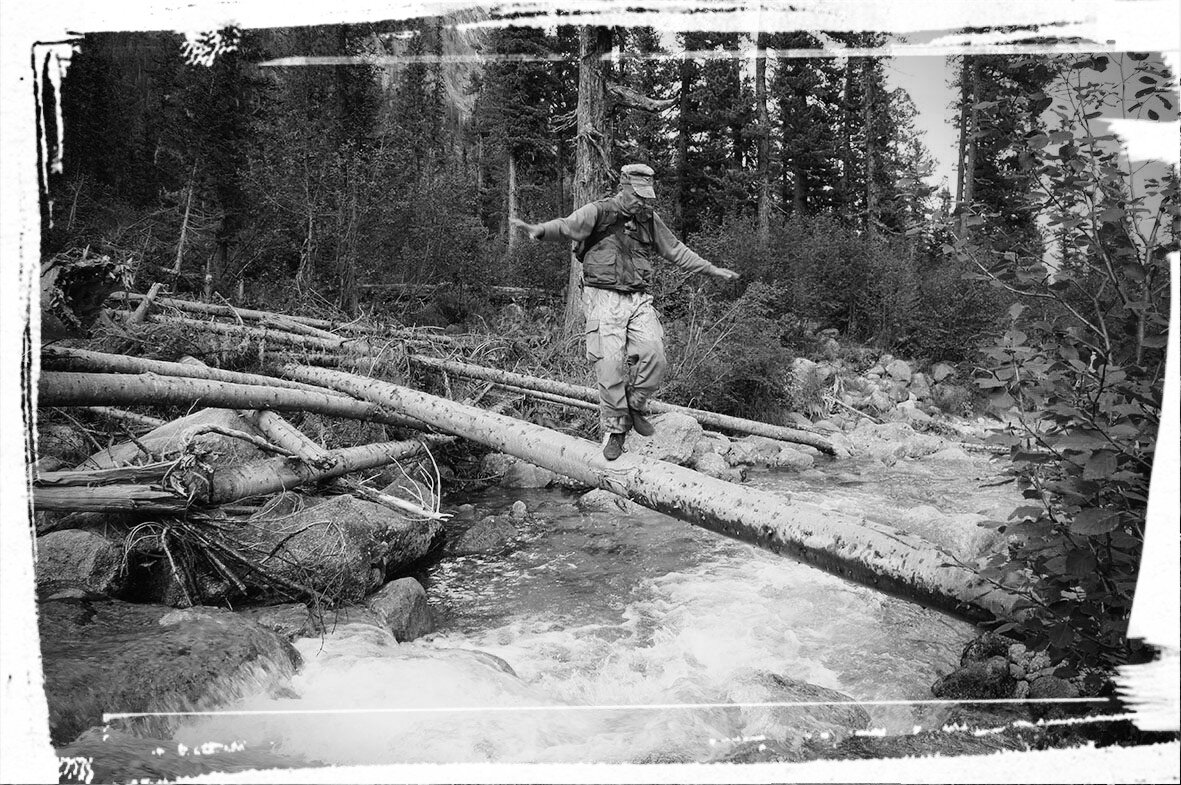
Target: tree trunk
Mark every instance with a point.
(867, 120)
(879, 556)
(132, 419)
(588, 394)
(512, 202)
(592, 154)
(252, 315)
(965, 180)
(55, 357)
(282, 337)
(683, 146)
(57, 388)
(763, 235)
(145, 305)
(223, 484)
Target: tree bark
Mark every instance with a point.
(133, 419)
(221, 486)
(145, 305)
(82, 359)
(592, 152)
(867, 119)
(878, 556)
(587, 394)
(88, 389)
(511, 231)
(763, 233)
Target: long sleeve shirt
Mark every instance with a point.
(581, 223)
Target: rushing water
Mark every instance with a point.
(612, 624)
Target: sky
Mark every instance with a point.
(926, 79)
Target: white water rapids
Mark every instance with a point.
(618, 628)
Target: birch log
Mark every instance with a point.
(878, 556)
(64, 389)
(713, 419)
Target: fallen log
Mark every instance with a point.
(137, 316)
(713, 419)
(59, 357)
(219, 486)
(323, 325)
(57, 388)
(876, 555)
(428, 289)
(131, 418)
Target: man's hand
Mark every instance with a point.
(533, 230)
(725, 274)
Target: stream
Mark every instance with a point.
(621, 635)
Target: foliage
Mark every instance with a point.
(728, 356)
(1081, 365)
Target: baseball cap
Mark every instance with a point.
(640, 178)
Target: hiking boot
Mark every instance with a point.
(614, 446)
(641, 424)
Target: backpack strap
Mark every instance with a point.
(608, 223)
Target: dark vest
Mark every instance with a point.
(618, 254)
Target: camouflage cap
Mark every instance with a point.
(640, 178)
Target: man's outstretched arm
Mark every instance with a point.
(672, 249)
(576, 226)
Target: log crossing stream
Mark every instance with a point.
(614, 638)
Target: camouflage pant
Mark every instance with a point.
(625, 341)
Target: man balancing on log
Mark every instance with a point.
(616, 240)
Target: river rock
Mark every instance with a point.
(291, 620)
(977, 680)
(79, 560)
(899, 370)
(115, 656)
(984, 647)
(711, 443)
(492, 534)
(920, 387)
(403, 608)
(909, 411)
(170, 439)
(790, 723)
(602, 500)
(1051, 687)
(675, 438)
(519, 511)
(345, 547)
(952, 453)
(514, 472)
(941, 371)
(715, 465)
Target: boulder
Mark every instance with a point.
(790, 723)
(715, 465)
(911, 413)
(1051, 687)
(514, 472)
(984, 647)
(675, 438)
(519, 511)
(600, 500)
(77, 559)
(920, 387)
(170, 439)
(952, 453)
(941, 371)
(711, 443)
(493, 534)
(345, 547)
(977, 680)
(403, 609)
(116, 656)
(899, 370)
